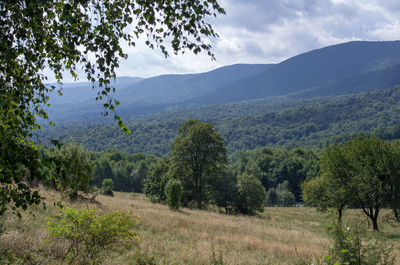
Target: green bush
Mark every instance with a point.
(89, 234)
(250, 194)
(272, 197)
(173, 192)
(350, 246)
(107, 187)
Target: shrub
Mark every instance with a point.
(107, 187)
(272, 197)
(173, 192)
(250, 194)
(350, 246)
(89, 234)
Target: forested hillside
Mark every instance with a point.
(342, 69)
(311, 124)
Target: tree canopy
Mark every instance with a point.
(198, 155)
(68, 36)
(363, 172)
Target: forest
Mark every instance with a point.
(311, 124)
(302, 168)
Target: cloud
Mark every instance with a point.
(269, 31)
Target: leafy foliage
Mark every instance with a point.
(312, 124)
(173, 193)
(63, 36)
(363, 172)
(107, 187)
(250, 194)
(75, 169)
(198, 155)
(90, 234)
(350, 247)
(154, 184)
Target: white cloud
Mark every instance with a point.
(269, 31)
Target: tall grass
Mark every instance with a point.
(278, 236)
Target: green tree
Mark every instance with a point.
(138, 175)
(223, 191)
(154, 184)
(285, 196)
(198, 155)
(173, 193)
(75, 169)
(251, 194)
(333, 189)
(272, 197)
(375, 174)
(62, 37)
(107, 187)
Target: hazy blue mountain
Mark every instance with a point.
(83, 91)
(333, 70)
(146, 96)
(348, 68)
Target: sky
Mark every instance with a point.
(270, 31)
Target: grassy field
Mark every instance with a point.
(278, 236)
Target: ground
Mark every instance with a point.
(277, 236)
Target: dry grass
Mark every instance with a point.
(278, 236)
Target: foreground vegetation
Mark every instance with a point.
(277, 236)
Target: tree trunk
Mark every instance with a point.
(374, 220)
(340, 214)
(373, 216)
(396, 215)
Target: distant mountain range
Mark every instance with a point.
(335, 70)
(244, 90)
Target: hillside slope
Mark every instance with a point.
(305, 124)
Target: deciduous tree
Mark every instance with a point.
(65, 36)
(198, 155)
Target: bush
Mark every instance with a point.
(250, 194)
(173, 192)
(89, 234)
(272, 197)
(107, 187)
(351, 247)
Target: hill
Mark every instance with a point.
(334, 70)
(341, 69)
(310, 123)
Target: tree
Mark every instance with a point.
(250, 194)
(333, 188)
(375, 175)
(107, 187)
(285, 196)
(198, 155)
(138, 175)
(173, 193)
(65, 36)
(154, 184)
(75, 169)
(362, 172)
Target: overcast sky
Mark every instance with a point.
(269, 31)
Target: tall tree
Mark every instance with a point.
(75, 170)
(333, 188)
(63, 36)
(198, 155)
(374, 176)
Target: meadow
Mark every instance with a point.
(280, 235)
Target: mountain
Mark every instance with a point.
(334, 70)
(145, 96)
(347, 68)
(308, 100)
(311, 124)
